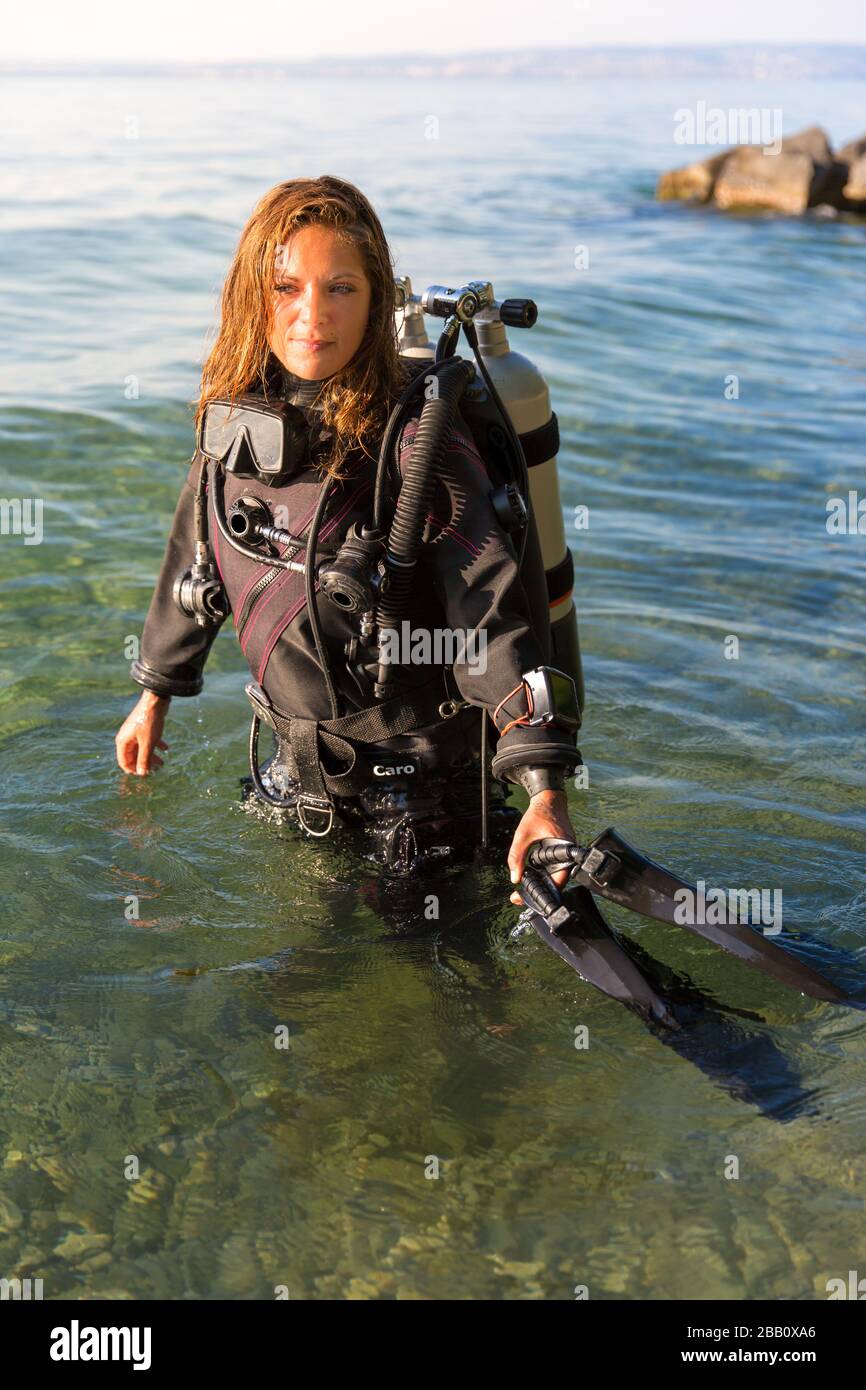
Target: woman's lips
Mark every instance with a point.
(311, 344)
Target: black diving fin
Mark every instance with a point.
(579, 934)
(703, 1032)
(613, 869)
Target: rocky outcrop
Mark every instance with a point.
(855, 188)
(850, 153)
(803, 172)
(694, 181)
(751, 179)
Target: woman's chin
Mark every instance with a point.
(312, 364)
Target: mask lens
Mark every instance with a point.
(262, 433)
(265, 440)
(218, 432)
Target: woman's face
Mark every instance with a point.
(320, 303)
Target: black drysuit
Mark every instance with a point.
(468, 583)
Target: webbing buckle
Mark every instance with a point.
(319, 806)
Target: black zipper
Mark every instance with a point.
(262, 584)
(259, 588)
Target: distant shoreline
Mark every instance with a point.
(744, 62)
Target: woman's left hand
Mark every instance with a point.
(546, 816)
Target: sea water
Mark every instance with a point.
(234, 1062)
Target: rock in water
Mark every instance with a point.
(850, 153)
(812, 141)
(802, 173)
(753, 179)
(855, 188)
(694, 181)
(795, 177)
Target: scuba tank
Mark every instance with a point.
(525, 396)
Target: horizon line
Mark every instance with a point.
(426, 57)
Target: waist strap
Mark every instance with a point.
(310, 738)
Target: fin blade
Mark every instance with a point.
(641, 885)
(591, 949)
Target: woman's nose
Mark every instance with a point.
(311, 305)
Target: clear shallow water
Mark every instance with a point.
(155, 1037)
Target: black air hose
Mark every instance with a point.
(395, 421)
(405, 537)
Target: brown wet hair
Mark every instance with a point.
(356, 401)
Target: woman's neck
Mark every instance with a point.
(298, 391)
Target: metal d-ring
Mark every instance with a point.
(449, 708)
(322, 808)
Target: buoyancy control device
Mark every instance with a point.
(504, 402)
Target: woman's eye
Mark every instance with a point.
(290, 289)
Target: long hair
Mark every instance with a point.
(355, 402)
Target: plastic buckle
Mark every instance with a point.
(524, 924)
(320, 807)
(600, 867)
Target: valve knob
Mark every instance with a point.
(518, 313)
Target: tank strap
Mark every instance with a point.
(541, 444)
(560, 579)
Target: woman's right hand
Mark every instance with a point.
(141, 732)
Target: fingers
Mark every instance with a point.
(125, 748)
(560, 878)
(517, 853)
(142, 765)
(135, 744)
(517, 860)
(524, 836)
(135, 754)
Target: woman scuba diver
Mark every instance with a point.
(337, 502)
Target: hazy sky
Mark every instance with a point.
(189, 29)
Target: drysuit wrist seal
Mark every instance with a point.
(535, 753)
(535, 778)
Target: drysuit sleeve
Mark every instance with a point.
(474, 570)
(173, 647)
